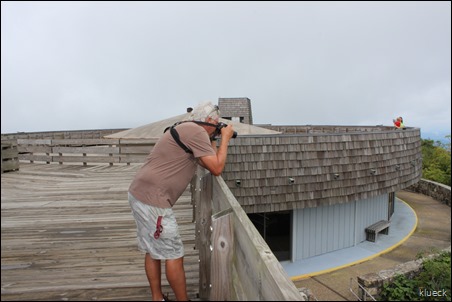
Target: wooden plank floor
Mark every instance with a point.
(67, 233)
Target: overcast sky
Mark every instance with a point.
(101, 65)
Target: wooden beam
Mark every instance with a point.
(203, 224)
(222, 251)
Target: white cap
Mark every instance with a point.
(205, 110)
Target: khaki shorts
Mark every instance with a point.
(169, 243)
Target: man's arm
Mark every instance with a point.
(214, 147)
(215, 163)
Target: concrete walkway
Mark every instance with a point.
(420, 224)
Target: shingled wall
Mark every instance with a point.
(285, 172)
(236, 107)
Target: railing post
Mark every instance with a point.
(222, 251)
(203, 199)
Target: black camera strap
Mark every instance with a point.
(176, 137)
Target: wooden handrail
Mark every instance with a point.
(96, 151)
(235, 261)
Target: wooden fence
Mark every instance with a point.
(10, 159)
(109, 151)
(235, 261)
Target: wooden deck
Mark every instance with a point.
(67, 233)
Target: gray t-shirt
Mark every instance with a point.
(168, 169)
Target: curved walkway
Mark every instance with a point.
(420, 224)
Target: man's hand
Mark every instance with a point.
(227, 132)
(215, 163)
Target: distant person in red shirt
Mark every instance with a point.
(398, 123)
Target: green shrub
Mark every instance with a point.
(432, 283)
(436, 164)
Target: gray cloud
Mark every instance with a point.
(94, 65)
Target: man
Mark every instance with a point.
(158, 184)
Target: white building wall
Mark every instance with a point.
(370, 211)
(325, 229)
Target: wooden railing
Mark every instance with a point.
(10, 160)
(235, 261)
(109, 151)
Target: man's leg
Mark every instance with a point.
(153, 272)
(175, 274)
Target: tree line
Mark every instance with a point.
(436, 160)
